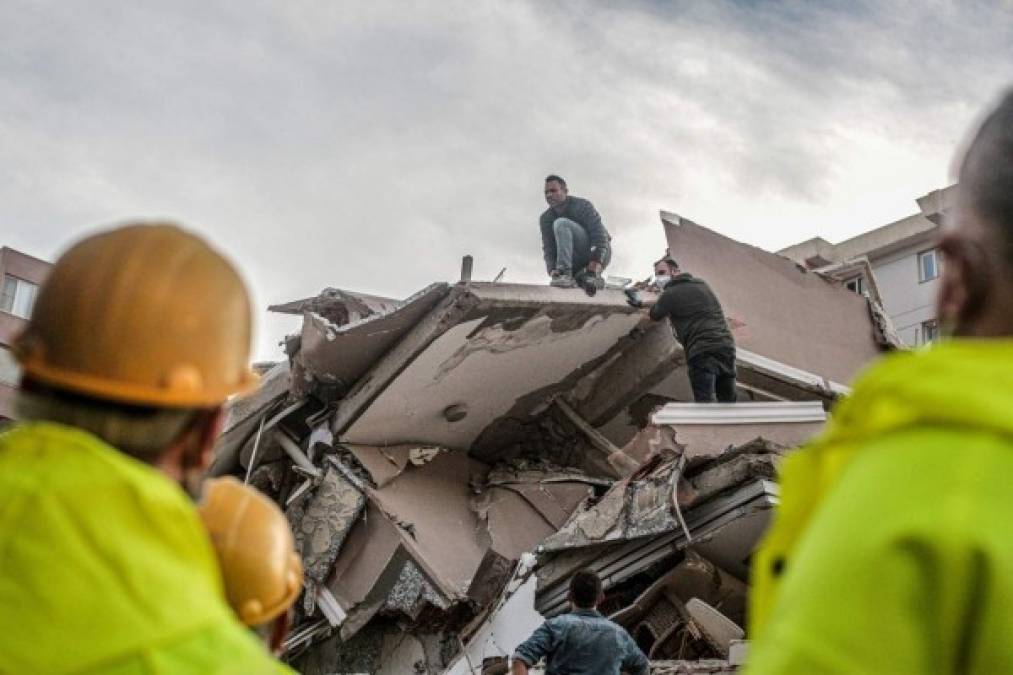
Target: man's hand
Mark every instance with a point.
(632, 299)
(518, 667)
(594, 267)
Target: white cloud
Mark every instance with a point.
(370, 145)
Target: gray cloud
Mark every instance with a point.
(370, 145)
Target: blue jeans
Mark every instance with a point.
(573, 247)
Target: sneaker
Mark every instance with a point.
(563, 281)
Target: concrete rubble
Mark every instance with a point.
(447, 461)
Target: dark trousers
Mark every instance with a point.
(713, 374)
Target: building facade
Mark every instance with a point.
(896, 264)
(20, 276)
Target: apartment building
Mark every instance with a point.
(896, 264)
(21, 276)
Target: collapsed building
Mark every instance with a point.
(447, 461)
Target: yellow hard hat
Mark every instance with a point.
(145, 314)
(256, 551)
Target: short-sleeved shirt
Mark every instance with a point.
(696, 315)
(583, 643)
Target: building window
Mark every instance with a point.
(10, 372)
(928, 265)
(930, 331)
(857, 285)
(18, 296)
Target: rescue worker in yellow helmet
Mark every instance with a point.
(256, 552)
(137, 338)
(891, 551)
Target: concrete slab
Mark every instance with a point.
(340, 355)
(508, 353)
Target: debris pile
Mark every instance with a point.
(446, 463)
(672, 544)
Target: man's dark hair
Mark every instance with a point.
(558, 179)
(669, 260)
(585, 587)
(986, 173)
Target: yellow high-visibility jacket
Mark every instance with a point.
(105, 566)
(892, 549)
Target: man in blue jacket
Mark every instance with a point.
(582, 642)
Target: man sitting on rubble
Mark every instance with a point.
(891, 549)
(574, 240)
(138, 337)
(582, 641)
(700, 325)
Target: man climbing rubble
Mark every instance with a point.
(138, 337)
(582, 642)
(576, 246)
(891, 549)
(700, 326)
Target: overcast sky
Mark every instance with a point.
(369, 145)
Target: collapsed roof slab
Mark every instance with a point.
(777, 308)
(487, 352)
(342, 354)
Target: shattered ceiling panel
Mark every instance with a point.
(432, 503)
(342, 354)
(778, 309)
(367, 568)
(477, 370)
(384, 464)
(519, 517)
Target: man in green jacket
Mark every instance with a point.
(892, 549)
(138, 337)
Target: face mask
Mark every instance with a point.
(662, 280)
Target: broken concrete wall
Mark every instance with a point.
(506, 356)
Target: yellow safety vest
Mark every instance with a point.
(105, 566)
(892, 549)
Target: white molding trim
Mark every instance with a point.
(752, 412)
(754, 360)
